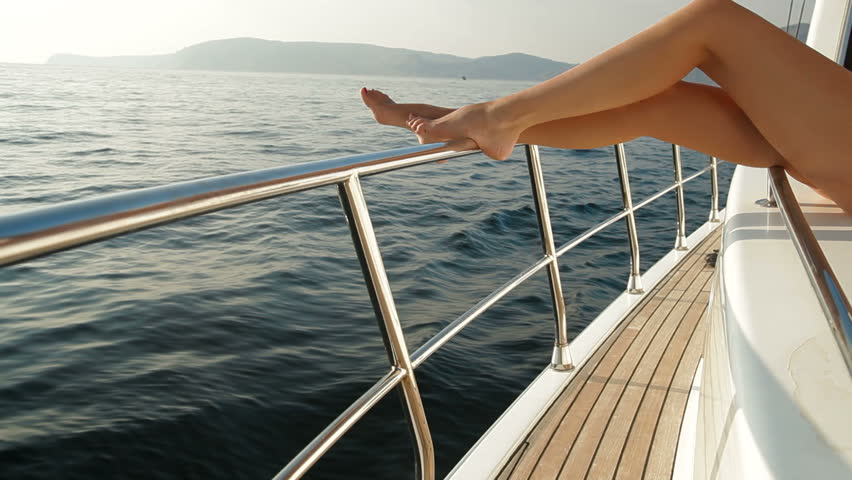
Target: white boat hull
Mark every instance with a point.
(776, 393)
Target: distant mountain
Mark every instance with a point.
(256, 55)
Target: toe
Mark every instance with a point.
(380, 95)
(417, 124)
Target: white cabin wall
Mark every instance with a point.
(830, 27)
(775, 392)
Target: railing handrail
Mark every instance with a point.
(830, 293)
(45, 230)
(39, 231)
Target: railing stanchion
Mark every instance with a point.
(367, 248)
(714, 191)
(561, 358)
(680, 241)
(634, 284)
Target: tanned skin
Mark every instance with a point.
(779, 103)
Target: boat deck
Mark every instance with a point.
(621, 414)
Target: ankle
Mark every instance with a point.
(504, 114)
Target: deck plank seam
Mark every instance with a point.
(670, 380)
(645, 387)
(679, 296)
(658, 412)
(692, 370)
(668, 390)
(581, 382)
(697, 254)
(622, 326)
(692, 260)
(670, 281)
(514, 459)
(700, 252)
(644, 351)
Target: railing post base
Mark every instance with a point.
(561, 359)
(714, 216)
(769, 202)
(634, 285)
(680, 244)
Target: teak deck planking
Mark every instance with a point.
(620, 416)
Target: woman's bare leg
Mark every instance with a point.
(699, 117)
(773, 78)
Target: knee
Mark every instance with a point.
(711, 3)
(673, 95)
(708, 6)
(678, 89)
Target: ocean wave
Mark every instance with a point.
(96, 151)
(218, 346)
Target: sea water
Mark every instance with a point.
(217, 347)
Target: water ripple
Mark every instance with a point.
(216, 347)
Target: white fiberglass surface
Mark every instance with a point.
(829, 26)
(685, 455)
(791, 390)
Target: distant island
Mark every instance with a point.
(257, 55)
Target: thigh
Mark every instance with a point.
(699, 117)
(799, 100)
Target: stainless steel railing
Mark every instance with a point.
(46, 230)
(367, 248)
(561, 358)
(680, 241)
(634, 284)
(42, 231)
(831, 296)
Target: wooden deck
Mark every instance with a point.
(620, 416)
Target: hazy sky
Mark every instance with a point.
(567, 30)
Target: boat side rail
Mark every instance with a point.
(42, 231)
(830, 294)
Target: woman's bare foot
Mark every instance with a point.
(434, 124)
(477, 122)
(385, 110)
